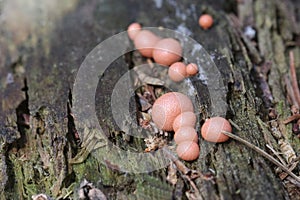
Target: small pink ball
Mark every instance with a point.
(188, 150)
(184, 119)
(145, 41)
(212, 129)
(191, 69)
(133, 29)
(177, 71)
(167, 51)
(185, 133)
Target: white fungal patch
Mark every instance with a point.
(250, 32)
(158, 3)
(196, 49)
(202, 75)
(190, 88)
(184, 30)
(9, 78)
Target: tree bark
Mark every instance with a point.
(43, 150)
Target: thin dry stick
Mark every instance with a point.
(296, 159)
(150, 63)
(182, 168)
(263, 153)
(193, 185)
(290, 92)
(294, 77)
(276, 154)
(234, 125)
(291, 118)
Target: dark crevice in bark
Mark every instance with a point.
(72, 133)
(23, 115)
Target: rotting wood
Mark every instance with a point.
(50, 68)
(263, 153)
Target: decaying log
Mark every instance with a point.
(45, 151)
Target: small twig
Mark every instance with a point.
(151, 90)
(290, 92)
(291, 118)
(293, 181)
(276, 154)
(296, 159)
(180, 166)
(261, 77)
(263, 153)
(184, 170)
(294, 77)
(283, 175)
(234, 125)
(150, 63)
(193, 185)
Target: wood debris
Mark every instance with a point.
(88, 191)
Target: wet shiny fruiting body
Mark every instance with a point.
(167, 51)
(167, 107)
(206, 21)
(185, 133)
(188, 150)
(177, 71)
(133, 29)
(184, 119)
(191, 69)
(145, 41)
(212, 129)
